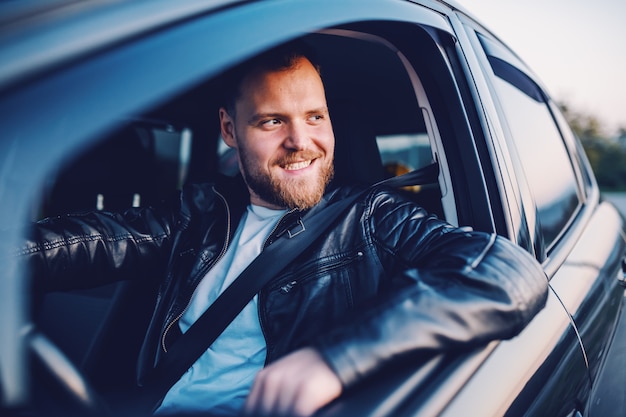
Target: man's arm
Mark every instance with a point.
(457, 289)
(464, 290)
(86, 250)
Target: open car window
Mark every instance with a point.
(388, 115)
(377, 102)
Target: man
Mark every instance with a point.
(387, 281)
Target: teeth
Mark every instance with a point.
(297, 165)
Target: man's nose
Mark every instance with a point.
(297, 136)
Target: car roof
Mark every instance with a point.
(37, 35)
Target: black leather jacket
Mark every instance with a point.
(387, 281)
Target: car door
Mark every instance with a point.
(574, 235)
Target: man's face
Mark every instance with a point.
(283, 136)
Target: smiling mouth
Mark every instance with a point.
(297, 165)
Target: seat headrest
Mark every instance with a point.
(357, 157)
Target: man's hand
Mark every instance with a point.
(297, 385)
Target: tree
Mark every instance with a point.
(607, 156)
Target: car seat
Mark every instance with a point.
(357, 158)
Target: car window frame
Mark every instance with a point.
(520, 195)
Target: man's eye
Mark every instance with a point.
(270, 122)
(316, 118)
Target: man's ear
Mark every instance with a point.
(227, 126)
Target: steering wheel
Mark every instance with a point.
(27, 356)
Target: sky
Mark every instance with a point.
(576, 47)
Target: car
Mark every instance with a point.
(107, 105)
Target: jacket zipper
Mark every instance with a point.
(203, 271)
(275, 228)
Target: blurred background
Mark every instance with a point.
(578, 49)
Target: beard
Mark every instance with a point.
(301, 193)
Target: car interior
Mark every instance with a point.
(377, 107)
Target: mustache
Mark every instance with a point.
(297, 156)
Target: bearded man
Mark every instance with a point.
(385, 282)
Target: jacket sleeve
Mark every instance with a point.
(86, 250)
(464, 289)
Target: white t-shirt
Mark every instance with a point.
(221, 378)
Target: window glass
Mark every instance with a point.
(547, 165)
(542, 152)
(404, 152)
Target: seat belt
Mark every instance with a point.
(267, 265)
